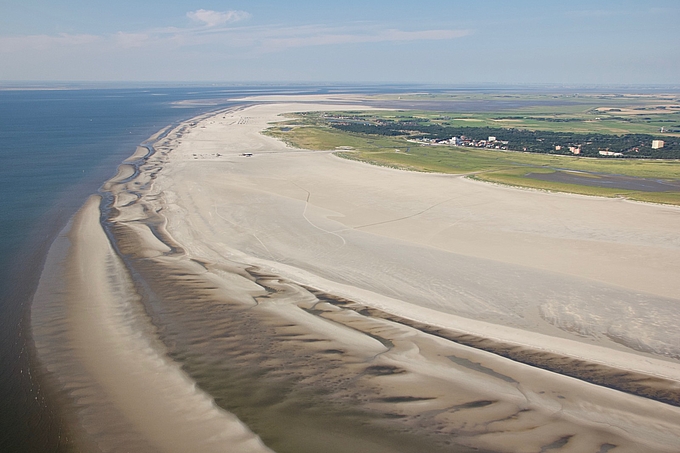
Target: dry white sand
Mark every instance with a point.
(604, 269)
(583, 277)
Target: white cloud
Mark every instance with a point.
(398, 35)
(303, 37)
(597, 13)
(212, 34)
(20, 43)
(130, 40)
(212, 18)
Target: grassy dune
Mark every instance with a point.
(505, 167)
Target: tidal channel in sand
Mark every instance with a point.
(329, 305)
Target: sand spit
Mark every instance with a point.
(92, 336)
(335, 306)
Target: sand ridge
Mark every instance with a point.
(95, 341)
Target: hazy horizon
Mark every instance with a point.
(434, 42)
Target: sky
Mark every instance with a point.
(449, 42)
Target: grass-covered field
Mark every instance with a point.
(505, 167)
(606, 114)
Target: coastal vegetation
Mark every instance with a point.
(383, 144)
(578, 113)
(546, 142)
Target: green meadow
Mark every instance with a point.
(600, 113)
(310, 131)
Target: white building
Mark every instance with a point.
(656, 144)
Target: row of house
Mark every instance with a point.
(491, 142)
(573, 149)
(656, 144)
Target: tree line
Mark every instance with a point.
(547, 142)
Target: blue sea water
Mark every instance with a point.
(56, 148)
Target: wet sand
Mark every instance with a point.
(336, 306)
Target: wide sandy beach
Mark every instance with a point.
(296, 301)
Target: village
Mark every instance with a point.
(534, 141)
(491, 142)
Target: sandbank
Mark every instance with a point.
(93, 337)
(430, 307)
